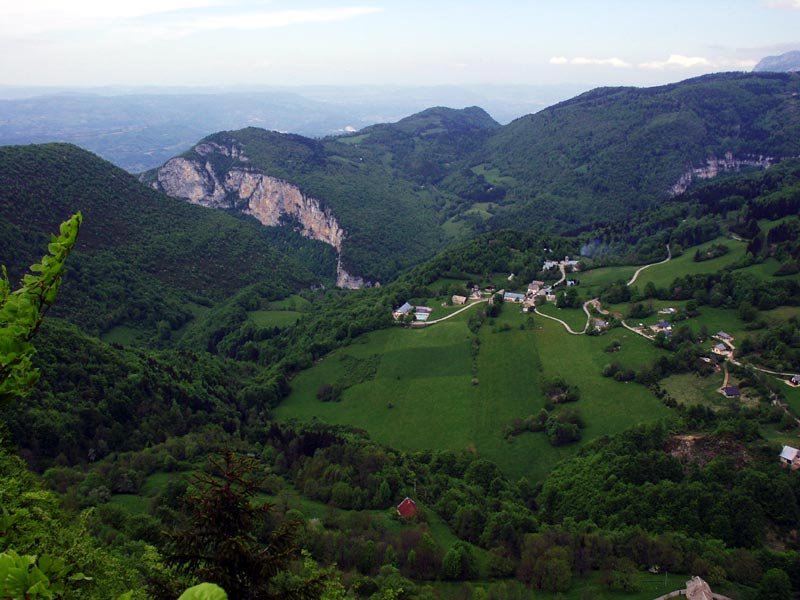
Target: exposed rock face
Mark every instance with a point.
(182, 178)
(714, 166)
(270, 200)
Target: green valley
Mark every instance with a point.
(208, 390)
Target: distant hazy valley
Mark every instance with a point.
(138, 129)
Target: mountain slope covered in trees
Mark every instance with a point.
(403, 190)
(142, 258)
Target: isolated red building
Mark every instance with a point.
(407, 508)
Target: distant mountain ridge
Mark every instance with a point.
(400, 191)
(782, 63)
(140, 128)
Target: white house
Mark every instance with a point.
(399, 313)
(721, 349)
(790, 458)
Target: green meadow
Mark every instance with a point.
(792, 395)
(593, 281)
(663, 275)
(425, 394)
(293, 302)
(574, 317)
(691, 389)
(274, 318)
(280, 313)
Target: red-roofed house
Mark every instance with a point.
(407, 509)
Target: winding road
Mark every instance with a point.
(640, 269)
(564, 323)
(596, 301)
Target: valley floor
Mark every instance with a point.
(424, 394)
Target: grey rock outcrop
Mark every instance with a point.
(270, 200)
(714, 166)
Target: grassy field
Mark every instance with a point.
(663, 275)
(574, 317)
(792, 399)
(280, 313)
(423, 395)
(691, 389)
(294, 302)
(591, 282)
(780, 438)
(494, 176)
(274, 318)
(482, 209)
(136, 504)
(715, 319)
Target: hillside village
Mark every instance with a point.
(538, 292)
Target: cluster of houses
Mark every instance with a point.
(662, 326)
(474, 294)
(723, 348)
(537, 292)
(421, 313)
(555, 264)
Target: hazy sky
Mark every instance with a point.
(281, 42)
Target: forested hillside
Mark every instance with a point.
(540, 453)
(143, 258)
(613, 150)
(403, 190)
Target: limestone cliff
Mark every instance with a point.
(270, 200)
(714, 166)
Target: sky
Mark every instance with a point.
(406, 42)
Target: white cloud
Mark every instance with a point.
(674, 62)
(275, 19)
(43, 16)
(584, 61)
(677, 61)
(173, 18)
(790, 4)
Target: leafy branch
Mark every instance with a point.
(22, 311)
